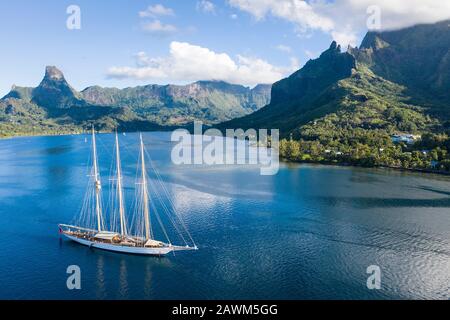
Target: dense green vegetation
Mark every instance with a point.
(379, 151)
(345, 107)
(360, 131)
(54, 107)
(342, 108)
(208, 101)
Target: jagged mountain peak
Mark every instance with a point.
(332, 66)
(213, 101)
(334, 47)
(53, 73)
(262, 87)
(54, 91)
(415, 61)
(374, 41)
(415, 57)
(17, 92)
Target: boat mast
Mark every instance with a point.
(123, 228)
(98, 185)
(145, 194)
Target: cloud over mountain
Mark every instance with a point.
(345, 19)
(187, 62)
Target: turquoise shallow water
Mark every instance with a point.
(309, 232)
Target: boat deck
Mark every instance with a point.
(125, 243)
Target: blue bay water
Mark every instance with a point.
(309, 232)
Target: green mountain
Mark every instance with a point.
(209, 101)
(345, 106)
(417, 57)
(55, 107)
(55, 93)
(304, 95)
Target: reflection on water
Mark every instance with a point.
(366, 203)
(148, 281)
(307, 233)
(55, 150)
(100, 278)
(120, 276)
(123, 290)
(447, 193)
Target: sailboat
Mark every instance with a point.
(120, 237)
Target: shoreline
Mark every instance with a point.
(426, 171)
(78, 133)
(40, 135)
(399, 169)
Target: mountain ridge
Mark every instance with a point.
(423, 73)
(343, 107)
(348, 108)
(55, 106)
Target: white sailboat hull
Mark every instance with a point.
(100, 237)
(126, 249)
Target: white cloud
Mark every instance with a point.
(155, 26)
(142, 60)
(344, 20)
(158, 28)
(156, 11)
(187, 62)
(297, 11)
(206, 6)
(234, 16)
(345, 37)
(284, 48)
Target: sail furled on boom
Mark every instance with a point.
(152, 214)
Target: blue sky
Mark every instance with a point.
(125, 43)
